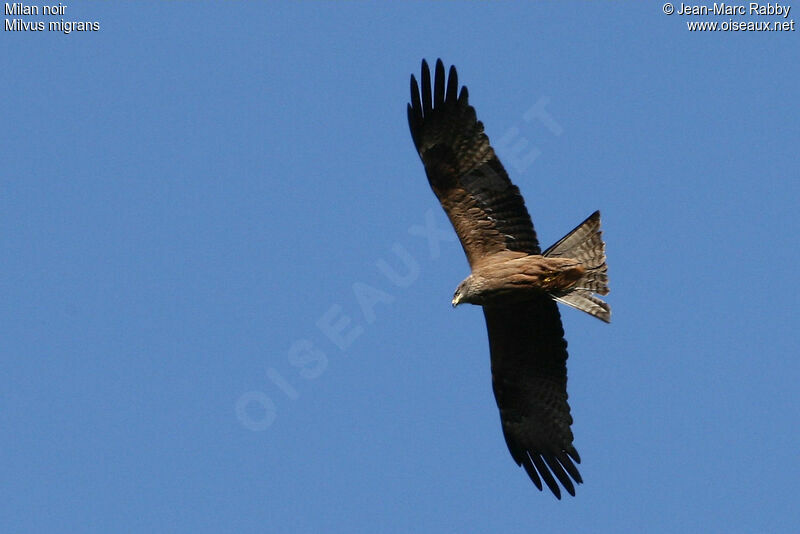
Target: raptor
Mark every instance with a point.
(516, 283)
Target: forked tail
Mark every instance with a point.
(585, 244)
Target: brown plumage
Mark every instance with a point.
(512, 279)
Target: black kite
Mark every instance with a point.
(512, 279)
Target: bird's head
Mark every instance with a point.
(462, 293)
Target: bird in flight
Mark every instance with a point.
(512, 279)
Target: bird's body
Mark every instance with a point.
(513, 276)
(512, 279)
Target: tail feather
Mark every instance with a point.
(585, 301)
(585, 244)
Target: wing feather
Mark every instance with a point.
(485, 208)
(529, 377)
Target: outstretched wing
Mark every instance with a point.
(529, 376)
(486, 209)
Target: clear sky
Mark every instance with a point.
(225, 283)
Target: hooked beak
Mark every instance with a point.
(456, 301)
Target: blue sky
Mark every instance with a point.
(193, 192)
